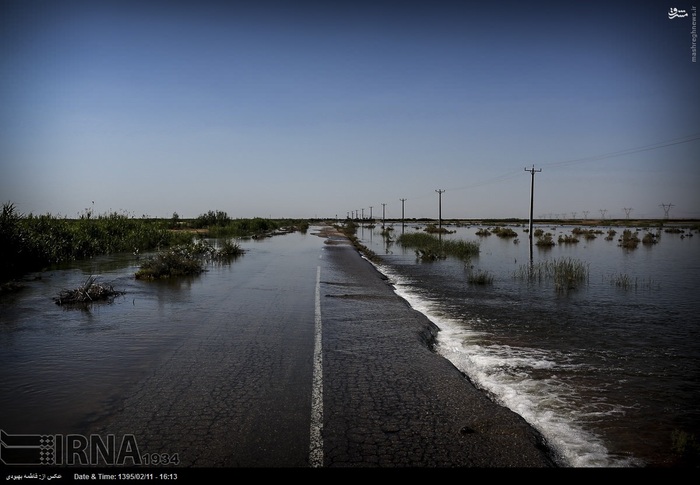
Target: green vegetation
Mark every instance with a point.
(650, 238)
(349, 229)
(186, 260)
(429, 247)
(629, 239)
(568, 239)
(36, 242)
(433, 229)
(480, 277)
(588, 234)
(545, 240)
(626, 282)
(566, 273)
(505, 232)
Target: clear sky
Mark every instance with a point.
(303, 109)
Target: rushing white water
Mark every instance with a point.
(505, 373)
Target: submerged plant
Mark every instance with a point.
(505, 232)
(566, 273)
(89, 292)
(545, 240)
(480, 277)
(430, 248)
(629, 239)
(186, 260)
(568, 239)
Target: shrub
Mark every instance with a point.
(186, 260)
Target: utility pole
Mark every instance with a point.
(439, 191)
(627, 211)
(585, 215)
(602, 213)
(383, 214)
(532, 197)
(402, 211)
(370, 212)
(667, 208)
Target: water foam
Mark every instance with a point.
(505, 374)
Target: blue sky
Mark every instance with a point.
(316, 109)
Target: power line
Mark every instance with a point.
(604, 156)
(628, 151)
(619, 153)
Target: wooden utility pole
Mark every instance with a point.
(532, 197)
(439, 191)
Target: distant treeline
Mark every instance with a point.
(35, 242)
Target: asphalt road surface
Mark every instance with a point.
(314, 361)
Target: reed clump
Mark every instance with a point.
(430, 248)
(629, 240)
(186, 260)
(568, 239)
(433, 229)
(545, 240)
(565, 273)
(480, 277)
(505, 232)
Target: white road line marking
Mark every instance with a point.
(316, 445)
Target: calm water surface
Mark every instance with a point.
(61, 368)
(608, 371)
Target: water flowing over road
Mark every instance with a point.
(297, 354)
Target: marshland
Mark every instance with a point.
(593, 339)
(591, 331)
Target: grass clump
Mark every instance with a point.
(588, 234)
(545, 240)
(565, 273)
(650, 239)
(480, 277)
(430, 248)
(186, 260)
(505, 232)
(568, 239)
(629, 240)
(433, 229)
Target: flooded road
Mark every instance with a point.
(94, 369)
(225, 369)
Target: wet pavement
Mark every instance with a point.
(316, 322)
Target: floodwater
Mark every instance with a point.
(608, 371)
(63, 368)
